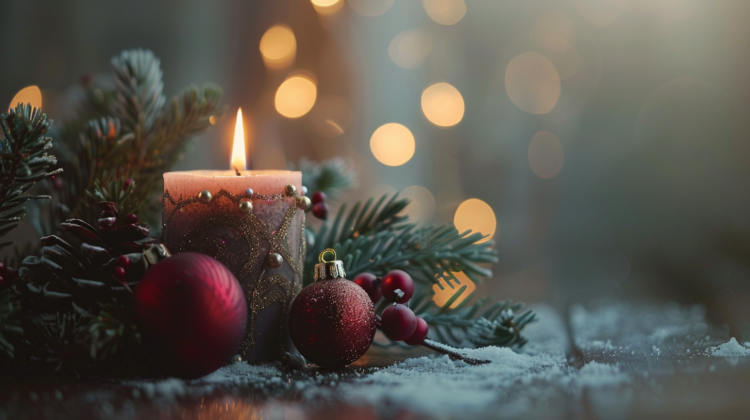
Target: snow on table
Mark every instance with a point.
(628, 361)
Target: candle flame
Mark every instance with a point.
(238, 148)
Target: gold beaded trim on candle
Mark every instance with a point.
(267, 291)
(195, 240)
(205, 197)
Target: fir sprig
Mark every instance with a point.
(23, 162)
(9, 323)
(110, 330)
(133, 132)
(376, 237)
(331, 176)
(482, 323)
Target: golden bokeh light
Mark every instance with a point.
(28, 95)
(546, 155)
(669, 11)
(392, 144)
(477, 216)
(532, 83)
(601, 12)
(327, 7)
(552, 25)
(296, 96)
(445, 12)
(563, 55)
(213, 120)
(443, 104)
(325, 3)
(331, 116)
(422, 205)
(370, 7)
(450, 288)
(409, 49)
(278, 46)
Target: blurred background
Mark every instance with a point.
(604, 145)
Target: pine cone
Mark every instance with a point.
(82, 277)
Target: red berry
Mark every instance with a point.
(57, 182)
(123, 261)
(119, 273)
(87, 80)
(128, 182)
(131, 219)
(419, 334)
(7, 275)
(320, 210)
(371, 285)
(318, 197)
(397, 280)
(398, 322)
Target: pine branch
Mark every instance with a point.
(375, 238)
(118, 191)
(9, 323)
(23, 162)
(332, 176)
(362, 220)
(134, 133)
(111, 329)
(480, 324)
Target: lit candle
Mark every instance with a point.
(253, 222)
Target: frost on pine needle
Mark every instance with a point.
(731, 348)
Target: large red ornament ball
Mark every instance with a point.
(332, 322)
(192, 313)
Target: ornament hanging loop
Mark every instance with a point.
(321, 257)
(329, 269)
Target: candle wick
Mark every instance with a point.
(237, 171)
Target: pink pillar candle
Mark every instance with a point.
(254, 224)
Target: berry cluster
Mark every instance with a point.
(122, 263)
(398, 321)
(319, 206)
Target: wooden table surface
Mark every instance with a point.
(661, 349)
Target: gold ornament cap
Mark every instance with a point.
(329, 269)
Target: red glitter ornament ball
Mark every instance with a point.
(332, 321)
(192, 313)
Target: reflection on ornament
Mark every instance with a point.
(445, 289)
(246, 207)
(290, 190)
(275, 260)
(205, 196)
(303, 203)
